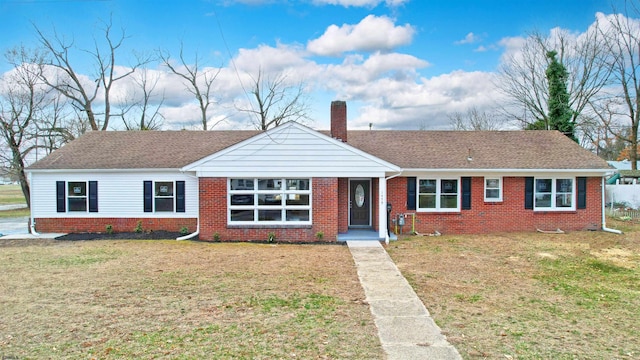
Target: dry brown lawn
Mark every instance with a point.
(168, 299)
(531, 296)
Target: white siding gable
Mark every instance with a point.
(291, 150)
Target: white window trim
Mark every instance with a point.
(172, 197)
(553, 206)
(70, 197)
(255, 207)
(500, 186)
(438, 209)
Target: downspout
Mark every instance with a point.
(604, 223)
(32, 222)
(197, 232)
(386, 237)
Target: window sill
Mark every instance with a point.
(544, 211)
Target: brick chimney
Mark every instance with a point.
(339, 120)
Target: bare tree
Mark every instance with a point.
(275, 101)
(21, 103)
(84, 93)
(143, 113)
(59, 125)
(474, 119)
(620, 103)
(522, 77)
(198, 82)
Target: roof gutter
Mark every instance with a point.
(197, 232)
(509, 171)
(114, 170)
(604, 216)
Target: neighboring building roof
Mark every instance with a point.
(406, 149)
(622, 165)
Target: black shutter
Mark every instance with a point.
(61, 200)
(180, 203)
(582, 192)
(93, 196)
(148, 196)
(411, 193)
(466, 193)
(528, 193)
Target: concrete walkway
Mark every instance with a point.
(405, 328)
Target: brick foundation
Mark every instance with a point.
(98, 225)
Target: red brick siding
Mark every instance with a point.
(506, 216)
(343, 205)
(339, 120)
(330, 214)
(98, 225)
(213, 215)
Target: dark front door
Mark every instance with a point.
(360, 203)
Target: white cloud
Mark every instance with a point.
(360, 3)
(270, 58)
(373, 33)
(469, 39)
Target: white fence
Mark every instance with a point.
(629, 195)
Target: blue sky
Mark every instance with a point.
(437, 56)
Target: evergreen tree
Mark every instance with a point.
(559, 112)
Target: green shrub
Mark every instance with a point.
(184, 231)
(216, 236)
(138, 227)
(109, 229)
(320, 235)
(271, 237)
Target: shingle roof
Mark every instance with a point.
(488, 149)
(140, 149)
(407, 149)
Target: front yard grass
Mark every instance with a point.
(531, 296)
(11, 194)
(168, 299)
